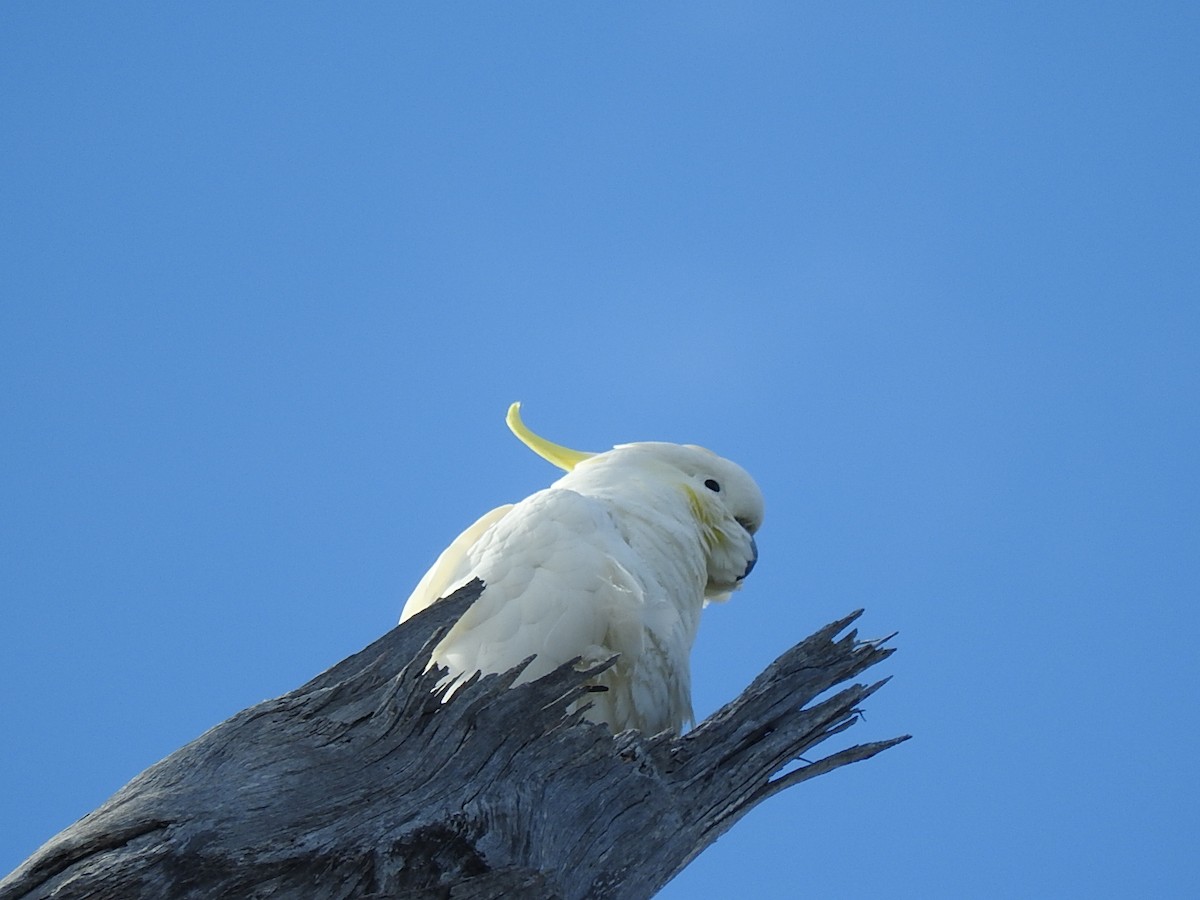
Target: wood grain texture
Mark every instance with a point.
(364, 784)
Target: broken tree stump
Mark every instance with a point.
(364, 784)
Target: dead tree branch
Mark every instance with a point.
(364, 784)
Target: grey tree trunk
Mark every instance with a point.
(363, 784)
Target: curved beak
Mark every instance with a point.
(753, 558)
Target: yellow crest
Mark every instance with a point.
(563, 457)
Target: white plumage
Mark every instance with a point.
(617, 556)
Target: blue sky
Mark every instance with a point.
(929, 271)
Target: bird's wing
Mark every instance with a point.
(559, 585)
(453, 565)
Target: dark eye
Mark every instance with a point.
(713, 486)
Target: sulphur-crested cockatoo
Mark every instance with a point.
(616, 557)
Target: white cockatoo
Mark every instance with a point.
(616, 557)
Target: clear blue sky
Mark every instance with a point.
(931, 272)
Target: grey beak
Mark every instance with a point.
(753, 558)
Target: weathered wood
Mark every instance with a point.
(363, 784)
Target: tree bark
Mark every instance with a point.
(363, 784)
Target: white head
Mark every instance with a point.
(723, 499)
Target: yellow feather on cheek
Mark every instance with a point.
(713, 536)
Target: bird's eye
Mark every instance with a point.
(712, 486)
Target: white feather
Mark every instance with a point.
(617, 557)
